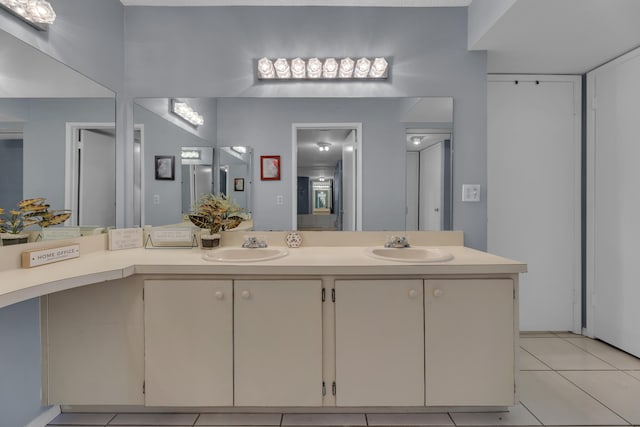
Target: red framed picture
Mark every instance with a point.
(270, 168)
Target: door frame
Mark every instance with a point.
(294, 166)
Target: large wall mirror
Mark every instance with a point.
(57, 136)
(330, 189)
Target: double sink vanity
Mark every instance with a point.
(341, 322)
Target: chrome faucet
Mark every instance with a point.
(254, 242)
(396, 242)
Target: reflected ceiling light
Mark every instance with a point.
(239, 149)
(323, 69)
(37, 13)
(191, 154)
(323, 146)
(349, 148)
(416, 140)
(186, 112)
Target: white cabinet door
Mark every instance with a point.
(278, 342)
(469, 343)
(188, 342)
(95, 344)
(379, 343)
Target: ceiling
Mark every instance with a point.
(532, 36)
(560, 36)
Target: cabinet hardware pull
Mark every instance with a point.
(219, 295)
(413, 293)
(324, 389)
(246, 294)
(333, 388)
(333, 295)
(437, 293)
(324, 294)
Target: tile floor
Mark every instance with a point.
(565, 380)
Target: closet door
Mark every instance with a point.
(613, 203)
(534, 192)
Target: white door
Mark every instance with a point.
(613, 267)
(533, 192)
(96, 180)
(413, 195)
(431, 188)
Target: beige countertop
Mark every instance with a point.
(98, 265)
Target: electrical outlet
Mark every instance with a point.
(279, 200)
(156, 199)
(470, 192)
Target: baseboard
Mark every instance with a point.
(45, 418)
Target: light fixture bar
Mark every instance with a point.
(186, 112)
(37, 13)
(346, 68)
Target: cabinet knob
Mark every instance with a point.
(246, 294)
(413, 293)
(437, 293)
(219, 295)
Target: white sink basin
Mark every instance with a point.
(244, 254)
(417, 255)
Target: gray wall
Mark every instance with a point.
(11, 167)
(210, 52)
(20, 363)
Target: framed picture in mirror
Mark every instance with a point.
(270, 168)
(165, 167)
(238, 184)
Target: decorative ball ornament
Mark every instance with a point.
(294, 239)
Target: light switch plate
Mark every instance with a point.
(279, 200)
(470, 192)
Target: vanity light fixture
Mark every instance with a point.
(186, 112)
(323, 68)
(323, 146)
(191, 154)
(37, 13)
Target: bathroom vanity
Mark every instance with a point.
(326, 326)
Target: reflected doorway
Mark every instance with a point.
(428, 186)
(90, 190)
(327, 166)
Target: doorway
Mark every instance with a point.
(90, 190)
(327, 159)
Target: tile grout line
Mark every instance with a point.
(535, 357)
(531, 412)
(590, 395)
(588, 352)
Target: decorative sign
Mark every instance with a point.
(170, 237)
(58, 233)
(125, 238)
(38, 257)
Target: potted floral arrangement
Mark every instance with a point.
(29, 212)
(215, 213)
